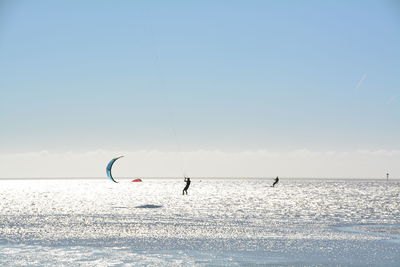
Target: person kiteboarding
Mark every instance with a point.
(276, 181)
(187, 181)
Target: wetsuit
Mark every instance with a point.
(187, 180)
(276, 181)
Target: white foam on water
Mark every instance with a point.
(391, 232)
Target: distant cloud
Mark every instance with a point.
(201, 163)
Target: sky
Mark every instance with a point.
(205, 88)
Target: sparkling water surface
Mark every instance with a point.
(222, 222)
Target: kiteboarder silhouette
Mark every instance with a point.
(276, 181)
(187, 181)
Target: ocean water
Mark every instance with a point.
(222, 222)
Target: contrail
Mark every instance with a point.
(361, 81)
(393, 99)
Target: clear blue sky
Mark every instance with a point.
(229, 75)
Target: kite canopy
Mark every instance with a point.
(137, 180)
(108, 169)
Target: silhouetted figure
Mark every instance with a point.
(276, 181)
(187, 181)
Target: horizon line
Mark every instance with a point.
(203, 177)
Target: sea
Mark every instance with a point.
(221, 222)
